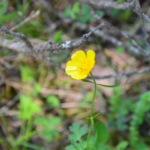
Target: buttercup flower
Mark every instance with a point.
(81, 64)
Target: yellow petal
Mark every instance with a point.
(77, 76)
(71, 72)
(79, 55)
(71, 67)
(71, 63)
(90, 55)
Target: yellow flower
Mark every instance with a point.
(81, 64)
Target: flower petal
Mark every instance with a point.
(79, 55)
(90, 55)
(77, 76)
(71, 67)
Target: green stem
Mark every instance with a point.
(29, 128)
(91, 118)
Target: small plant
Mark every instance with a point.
(48, 124)
(79, 68)
(142, 107)
(79, 140)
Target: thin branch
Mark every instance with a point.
(115, 30)
(85, 36)
(138, 10)
(136, 49)
(110, 4)
(115, 41)
(46, 46)
(31, 16)
(19, 35)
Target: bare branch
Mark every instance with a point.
(46, 46)
(19, 35)
(115, 30)
(110, 4)
(113, 40)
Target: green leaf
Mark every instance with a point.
(101, 132)
(9, 36)
(86, 18)
(120, 49)
(37, 24)
(26, 73)
(25, 137)
(9, 17)
(122, 145)
(3, 7)
(37, 89)
(77, 131)
(76, 7)
(141, 146)
(102, 146)
(100, 13)
(58, 36)
(120, 1)
(85, 9)
(129, 43)
(142, 107)
(53, 101)
(48, 125)
(87, 98)
(85, 14)
(75, 146)
(126, 14)
(67, 11)
(99, 84)
(70, 147)
(25, 7)
(27, 107)
(115, 12)
(95, 115)
(32, 146)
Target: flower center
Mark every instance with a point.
(84, 66)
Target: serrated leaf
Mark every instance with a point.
(77, 131)
(48, 125)
(27, 107)
(75, 146)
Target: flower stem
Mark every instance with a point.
(91, 117)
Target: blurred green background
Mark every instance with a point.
(38, 103)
